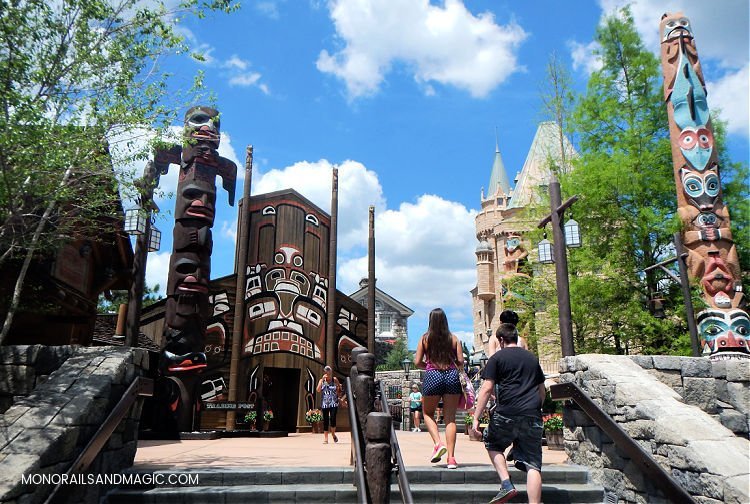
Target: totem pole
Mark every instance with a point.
(724, 326)
(190, 264)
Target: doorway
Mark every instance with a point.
(282, 396)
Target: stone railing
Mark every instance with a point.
(702, 455)
(721, 388)
(46, 428)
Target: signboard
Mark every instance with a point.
(224, 405)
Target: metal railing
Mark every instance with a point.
(398, 461)
(141, 387)
(357, 446)
(645, 462)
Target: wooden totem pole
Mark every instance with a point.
(724, 326)
(190, 264)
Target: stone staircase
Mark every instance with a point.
(469, 484)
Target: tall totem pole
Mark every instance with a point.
(190, 264)
(724, 326)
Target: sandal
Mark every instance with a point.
(325, 441)
(335, 439)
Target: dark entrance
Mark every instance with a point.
(283, 397)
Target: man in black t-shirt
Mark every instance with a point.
(517, 418)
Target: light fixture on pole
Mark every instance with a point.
(545, 251)
(572, 234)
(483, 359)
(657, 307)
(135, 221)
(406, 365)
(560, 235)
(154, 239)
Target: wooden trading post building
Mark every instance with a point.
(284, 340)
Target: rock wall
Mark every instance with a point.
(52, 419)
(679, 424)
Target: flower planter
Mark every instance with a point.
(266, 425)
(555, 440)
(317, 427)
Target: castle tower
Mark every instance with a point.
(502, 226)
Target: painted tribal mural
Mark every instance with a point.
(724, 327)
(287, 279)
(188, 307)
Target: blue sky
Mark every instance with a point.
(405, 96)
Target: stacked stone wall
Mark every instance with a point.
(672, 407)
(47, 426)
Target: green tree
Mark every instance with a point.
(74, 75)
(393, 358)
(111, 304)
(627, 206)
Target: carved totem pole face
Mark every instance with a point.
(195, 208)
(286, 296)
(726, 333)
(712, 256)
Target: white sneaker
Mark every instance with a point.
(419, 430)
(415, 429)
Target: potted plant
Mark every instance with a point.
(250, 418)
(267, 417)
(468, 420)
(314, 417)
(553, 431)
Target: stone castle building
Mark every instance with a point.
(505, 253)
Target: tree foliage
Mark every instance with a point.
(627, 206)
(112, 303)
(393, 358)
(76, 76)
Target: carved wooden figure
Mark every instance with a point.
(187, 307)
(712, 257)
(364, 387)
(378, 457)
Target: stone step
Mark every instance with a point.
(346, 493)
(234, 476)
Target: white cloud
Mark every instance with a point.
(447, 45)
(730, 94)
(268, 8)
(358, 189)
(583, 56)
(465, 337)
(157, 270)
(236, 62)
(424, 258)
(229, 231)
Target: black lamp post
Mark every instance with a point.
(483, 359)
(148, 239)
(547, 255)
(406, 365)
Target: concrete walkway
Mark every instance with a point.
(301, 450)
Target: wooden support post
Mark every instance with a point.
(243, 225)
(364, 387)
(371, 284)
(331, 301)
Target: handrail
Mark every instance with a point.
(141, 387)
(403, 479)
(653, 471)
(359, 458)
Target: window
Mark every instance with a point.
(385, 323)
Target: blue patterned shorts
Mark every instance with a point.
(439, 382)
